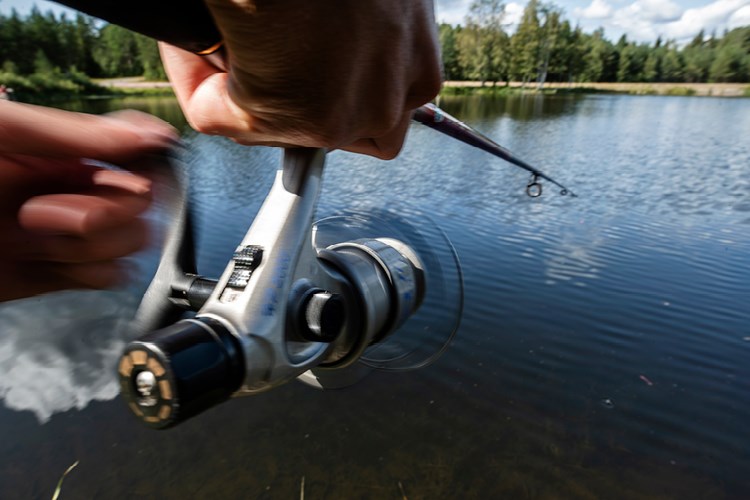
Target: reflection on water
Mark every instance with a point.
(602, 354)
(62, 359)
(165, 108)
(521, 107)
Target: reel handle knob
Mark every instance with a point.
(177, 372)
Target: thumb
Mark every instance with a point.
(34, 130)
(202, 91)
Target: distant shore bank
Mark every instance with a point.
(697, 89)
(130, 82)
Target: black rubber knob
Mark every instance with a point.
(177, 372)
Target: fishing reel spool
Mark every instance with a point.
(297, 300)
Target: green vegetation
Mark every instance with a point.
(44, 57)
(50, 86)
(680, 91)
(546, 48)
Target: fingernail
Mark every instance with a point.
(123, 180)
(60, 217)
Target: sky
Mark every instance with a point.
(640, 20)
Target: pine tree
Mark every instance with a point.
(483, 43)
(524, 44)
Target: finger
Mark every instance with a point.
(108, 244)
(81, 214)
(22, 177)
(22, 171)
(125, 181)
(40, 131)
(385, 147)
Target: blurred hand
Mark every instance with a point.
(336, 74)
(64, 223)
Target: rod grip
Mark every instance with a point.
(184, 23)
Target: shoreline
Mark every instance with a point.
(696, 89)
(135, 84)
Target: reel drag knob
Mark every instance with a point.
(177, 372)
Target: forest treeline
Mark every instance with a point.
(41, 42)
(45, 54)
(42, 53)
(547, 47)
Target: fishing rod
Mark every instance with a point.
(439, 120)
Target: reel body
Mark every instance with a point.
(281, 309)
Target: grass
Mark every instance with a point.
(487, 90)
(56, 494)
(49, 87)
(675, 89)
(496, 90)
(679, 91)
(141, 92)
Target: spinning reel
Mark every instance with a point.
(296, 300)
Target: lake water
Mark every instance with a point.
(603, 351)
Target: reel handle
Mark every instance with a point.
(175, 373)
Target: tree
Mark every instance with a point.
(652, 70)
(84, 40)
(672, 65)
(483, 43)
(599, 58)
(452, 68)
(16, 46)
(117, 52)
(150, 60)
(730, 65)
(576, 50)
(550, 41)
(42, 64)
(632, 62)
(524, 44)
(41, 31)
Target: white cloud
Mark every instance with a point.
(451, 11)
(514, 13)
(715, 16)
(598, 9)
(648, 12)
(645, 20)
(741, 17)
(455, 11)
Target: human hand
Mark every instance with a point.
(63, 222)
(343, 74)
